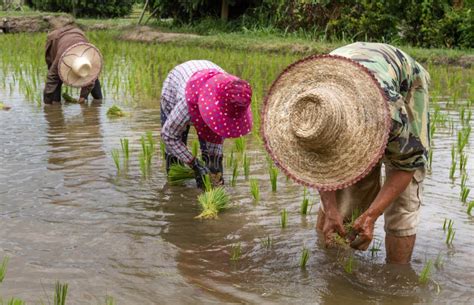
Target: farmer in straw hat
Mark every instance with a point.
(330, 121)
(216, 103)
(72, 60)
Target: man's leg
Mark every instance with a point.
(401, 220)
(96, 91)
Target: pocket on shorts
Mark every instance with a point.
(415, 190)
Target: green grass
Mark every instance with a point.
(425, 273)
(3, 268)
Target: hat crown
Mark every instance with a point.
(238, 93)
(81, 66)
(317, 117)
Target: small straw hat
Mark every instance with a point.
(80, 65)
(326, 122)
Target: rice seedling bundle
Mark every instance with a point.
(3, 268)
(304, 257)
(4, 107)
(115, 111)
(68, 98)
(180, 173)
(212, 202)
(255, 190)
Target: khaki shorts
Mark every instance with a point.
(401, 217)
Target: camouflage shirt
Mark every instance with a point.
(405, 83)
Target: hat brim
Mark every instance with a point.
(66, 73)
(349, 158)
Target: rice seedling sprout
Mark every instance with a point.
(283, 218)
(304, 203)
(304, 257)
(3, 268)
(246, 163)
(470, 206)
(350, 264)
(266, 242)
(273, 177)
(60, 294)
(235, 173)
(116, 157)
(255, 190)
(235, 252)
(125, 148)
(240, 145)
(14, 301)
(425, 272)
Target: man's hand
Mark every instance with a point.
(199, 171)
(333, 223)
(81, 100)
(214, 163)
(364, 230)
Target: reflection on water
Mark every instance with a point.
(66, 214)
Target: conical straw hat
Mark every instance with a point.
(326, 122)
(80, 65)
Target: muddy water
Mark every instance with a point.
(65, 214)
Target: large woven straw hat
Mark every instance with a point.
(326, 122)
(80, 65)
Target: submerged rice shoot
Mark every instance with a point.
(68, 98)
(304, 257)
(212, 202)
(3, 268)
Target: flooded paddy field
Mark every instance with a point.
(67, 214)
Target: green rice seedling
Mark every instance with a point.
(463, 180)
(255, 190)
(452, 170)
(448, 223)
(235, 174)
(464, 194)
(151, 142)
(212, 202)
(14, 301)
(425, 272)
(115, 111)
(304, 257)
(235, 252)
(68, 98)
(240, 145)
(376, 247)
(432, 130)
(143, 165)
(462, 162)
(304, 203)
(450, 236)
(470, 206)
(273, 177)
(3, 268)
(163, 150)
(116, 157)
(439, 261)
(4, 107)
(230, 159)
(110, 300)
(60, 294)
(195, 148)
(430, 159)
(350, 264)
(283, 218)
(266, 242)
(180, 173)
(125, 148)
(207, 182)
(246, 163)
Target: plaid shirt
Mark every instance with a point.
(175, 108)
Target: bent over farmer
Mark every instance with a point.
(331, 121)
(71, 60)
(217, 104)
